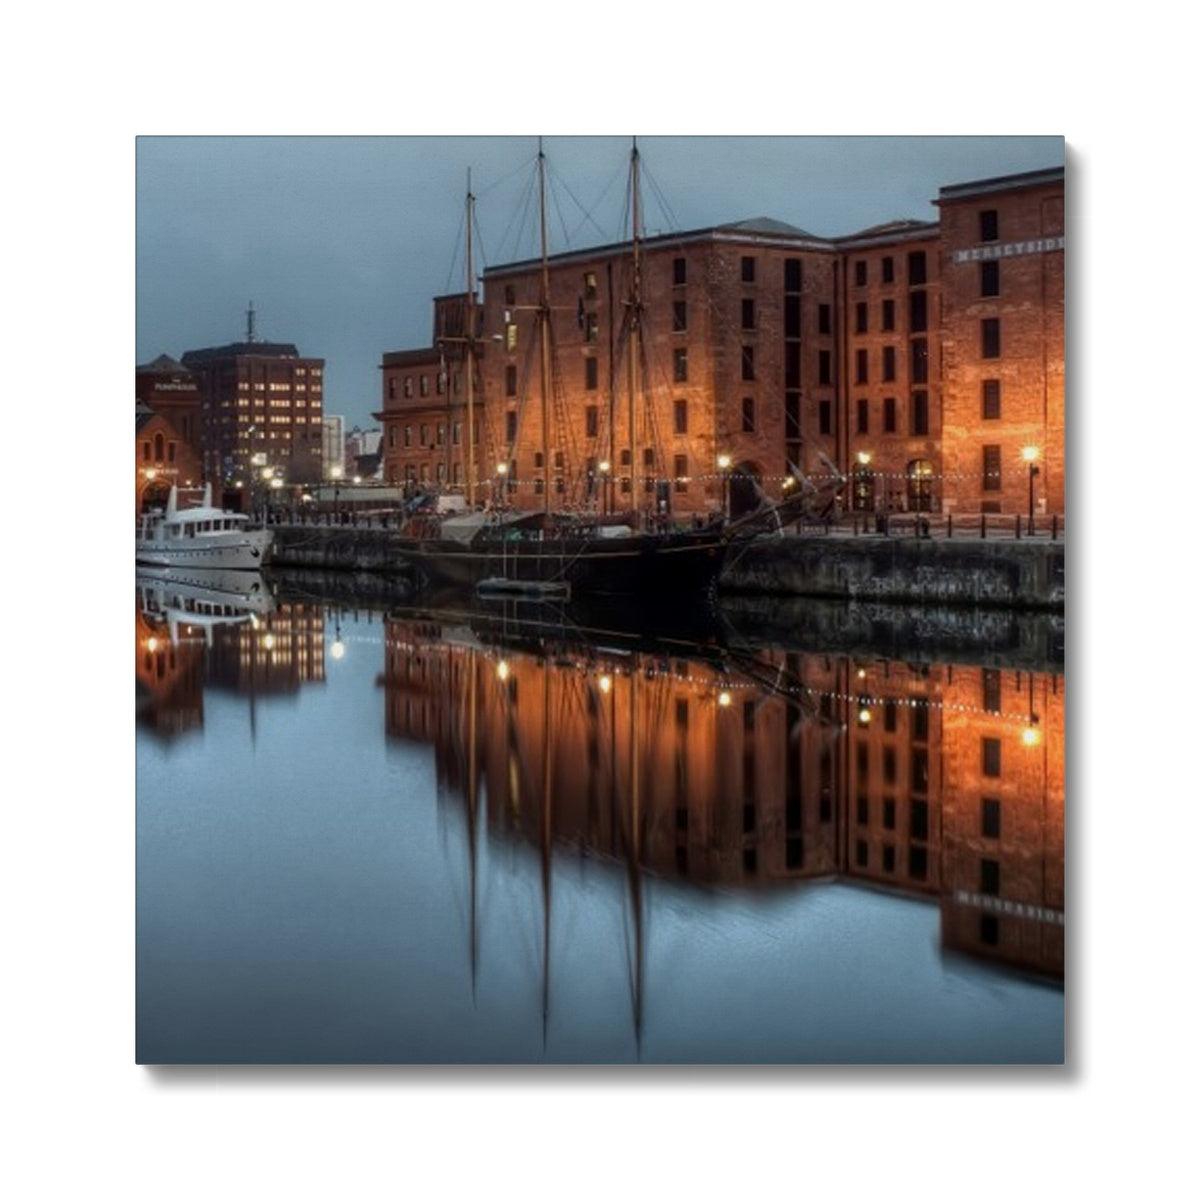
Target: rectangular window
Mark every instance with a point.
(860, 317)
(989, 877)
(681, 416)
(991, 468)
(989, 225)
(592, 327)
(889, 814)
(889, 414)
(860, 853)
(918, 820)
(747, 314)
(679, 271)
(991, 757)
(989, 278)
(510, 337)
(864, 810)
(889, 859)
(918, 312)
(889, 270)
(991, 399)
(791, 364)
(791, 274)
(747, 414)
(990, 818)
(825, 416)
(591, 374)
(918, 775)
(920, 721)
(889, 315)
(681, 365)
(860, 366)
(589, 285)
(918, 369)
(990, 336)
(748, 363)
(918, 862)
(510, 380)
(860, 273)
(679, 322)
(916, 267)
(592, 420)
(824, 367)
(889, 363)
(920, 414)
(748, 269)
(681, 472)
(407, 436)
(791, 317)
(989, 929)
(791, 414)
(863, 410)
(510, 427)
(991, 689)
(824, 318)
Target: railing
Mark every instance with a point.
(957, 525)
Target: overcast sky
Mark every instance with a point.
(341, 242)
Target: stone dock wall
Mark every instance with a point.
(1027, 573)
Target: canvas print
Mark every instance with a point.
(600, 600)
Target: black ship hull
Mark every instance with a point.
(651, 565)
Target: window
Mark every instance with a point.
(510, 294)
(679, 319)
(860, 366)
(591, 331)
(916, 267)
(918, 820)
(991, 399)
(918, 312)
(920, 414)
(392, 388)
(864, 810)
(679, 271)
(681, 472)
(824, 318)
(592, 420)
(889, 363)
(991, 468)
(748, 269)
(989, 929)
(889, 315)
(889, 859)
(918, 775)
(860, 273)
(424, 385)
(791, 316)
(889, 270)
(510, 380)
(989, 877)
(791, 274)
(510, 429)
(863, 410)
(589, 285)
(408, 386)
(591, 374)
(989, 278)
(889, 814)
(510, 336)
(989, 225)
(990, 331)
(681, 424)
(681, 365)
(991, 757)
(918, 862)
(824, 367)
(748, 363)
(990, 818)
(825, 416)
(919, 361)
(424, 435)
(747, 314)
(860, 853)
(889, 414)
(407, 436)
(747, 414)
(860, 317)
(991, 690)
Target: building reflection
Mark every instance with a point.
(225, 631)
(941, 782)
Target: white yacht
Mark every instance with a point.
(202, 536)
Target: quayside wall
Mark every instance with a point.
(1027, 573)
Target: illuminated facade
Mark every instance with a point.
(163, 458)
(765, 349)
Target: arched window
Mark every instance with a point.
(158, 447)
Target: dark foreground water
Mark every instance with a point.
(442, 836)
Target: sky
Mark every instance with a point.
(341, 242)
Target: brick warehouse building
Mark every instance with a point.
(769, 348)
(262, 409)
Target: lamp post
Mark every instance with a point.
(723, 464)
(501, 473)
(864, 461)
(604, 468)
(1031, 454)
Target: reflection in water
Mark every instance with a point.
(649, 791)
(942, 782)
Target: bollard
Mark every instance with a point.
(1054, 528)
(1018, 526)
(949, 526)
(983, 525)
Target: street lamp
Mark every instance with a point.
(604, 468)
(863, 480)
(723, 464)
(1031, 454)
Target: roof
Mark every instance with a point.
(164, 364)
(1002, 183)
(904, 229)
(765, 225)
(241, 350)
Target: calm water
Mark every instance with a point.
(440, 835)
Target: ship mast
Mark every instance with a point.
(635, 318)
(470, 351)
(544, 332)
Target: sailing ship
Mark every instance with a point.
(629, 554)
